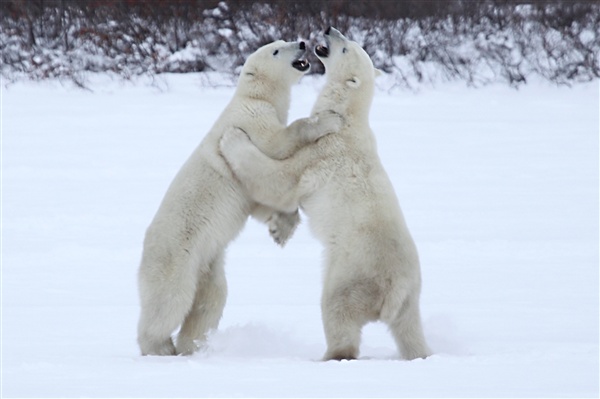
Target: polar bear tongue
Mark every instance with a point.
(301, 65)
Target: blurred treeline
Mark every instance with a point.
(414, 41)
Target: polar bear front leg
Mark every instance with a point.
(282, 226)
(309, 130)
(267, 181)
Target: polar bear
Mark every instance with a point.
(181, 277)
(371, 267)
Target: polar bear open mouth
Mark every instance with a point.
(322, 51)
(301, 65)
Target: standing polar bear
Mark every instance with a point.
(371, 266)
(181, 276)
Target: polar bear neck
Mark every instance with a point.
(339, 97)
(259, 88)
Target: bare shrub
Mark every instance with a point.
(414, 41)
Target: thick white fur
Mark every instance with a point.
(371, 264)
(181, 276)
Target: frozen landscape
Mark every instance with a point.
(499, 188)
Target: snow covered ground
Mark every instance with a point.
(499, 188)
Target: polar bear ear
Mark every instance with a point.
(354, 82)
(378, 72)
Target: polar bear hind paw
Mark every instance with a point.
(186, 347)
(164, 348)
(341, 354)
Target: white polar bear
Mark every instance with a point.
(181, 277)
(371, 268)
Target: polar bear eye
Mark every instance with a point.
(345, 50)
(275, 52)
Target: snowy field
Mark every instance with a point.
(499, 188)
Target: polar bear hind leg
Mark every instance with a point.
(165, 301)
(346, 308)
(207, 309)
(407, 330)
(342, 334)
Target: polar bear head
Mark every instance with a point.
(270, 72)
(348, 69)
(275, 65)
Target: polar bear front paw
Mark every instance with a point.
(282, 226)
(327, 122)
(232, 144)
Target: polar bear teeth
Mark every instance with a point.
(322, 51)
(301, 65)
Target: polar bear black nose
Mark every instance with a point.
(302, 46)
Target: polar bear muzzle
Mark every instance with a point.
(331, 33)
(322, 51)
(302, 65)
